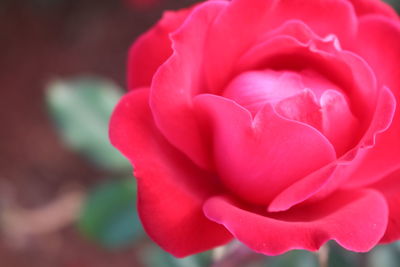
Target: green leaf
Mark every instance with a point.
(383, 256)
(109, 215)
(294, 258)
(339, 257)
(155, 256)
(81, 109)
(394, 3)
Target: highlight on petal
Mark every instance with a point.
(253, 89)
(171, 189)
(356, 220)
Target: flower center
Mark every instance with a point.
(304, 97)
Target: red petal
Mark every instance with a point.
(380, 39)
(346, 69)
(242, 23)
(367, 7)
(179, 79)
(339, 124)
(171, 189)
(258, 158)
(390, 188)
(355, 219)
(153, 48)
(340, 172)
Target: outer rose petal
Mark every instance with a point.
(153, 48)
(171, 189)
(390, 188)
(378, 7)
(181, 77)
(380, 39)
(355, 219)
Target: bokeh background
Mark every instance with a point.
(66, 197)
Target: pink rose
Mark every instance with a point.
(272, 122)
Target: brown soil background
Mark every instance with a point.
(41, 40)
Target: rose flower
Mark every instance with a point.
(272, 122)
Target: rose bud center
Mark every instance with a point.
(305, 97)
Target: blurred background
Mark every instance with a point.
(67, 198)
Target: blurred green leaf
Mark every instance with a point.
(81, 109)
(394, 3)
(294, 258)
(383, 256)
(154, 256)
(109, 215)
(339, 257)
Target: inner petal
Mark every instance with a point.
(254, 89)
(303, 96)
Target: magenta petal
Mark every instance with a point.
(181, 77)
(383, 156)
(355, 219)
(286, 52)
(302, 189)
(390, 188)
(381, 41)
(241, 24)
(348, 170)
(378, 7)
(171, 189)
(302, 107)
(339, 124)
(230, 35)
(152, 49)
(325, 17)
(256, 159)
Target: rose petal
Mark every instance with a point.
(339, 124)
(380, 39)
(324, 17)
(355, 219)
(171, 189)
(253, 89)
(256, 159)
(241, 24)
(179, 79)
(339, 173)
(367, 7)
(348, 70)
(390, 188)
(153, 48)
(302, 107)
